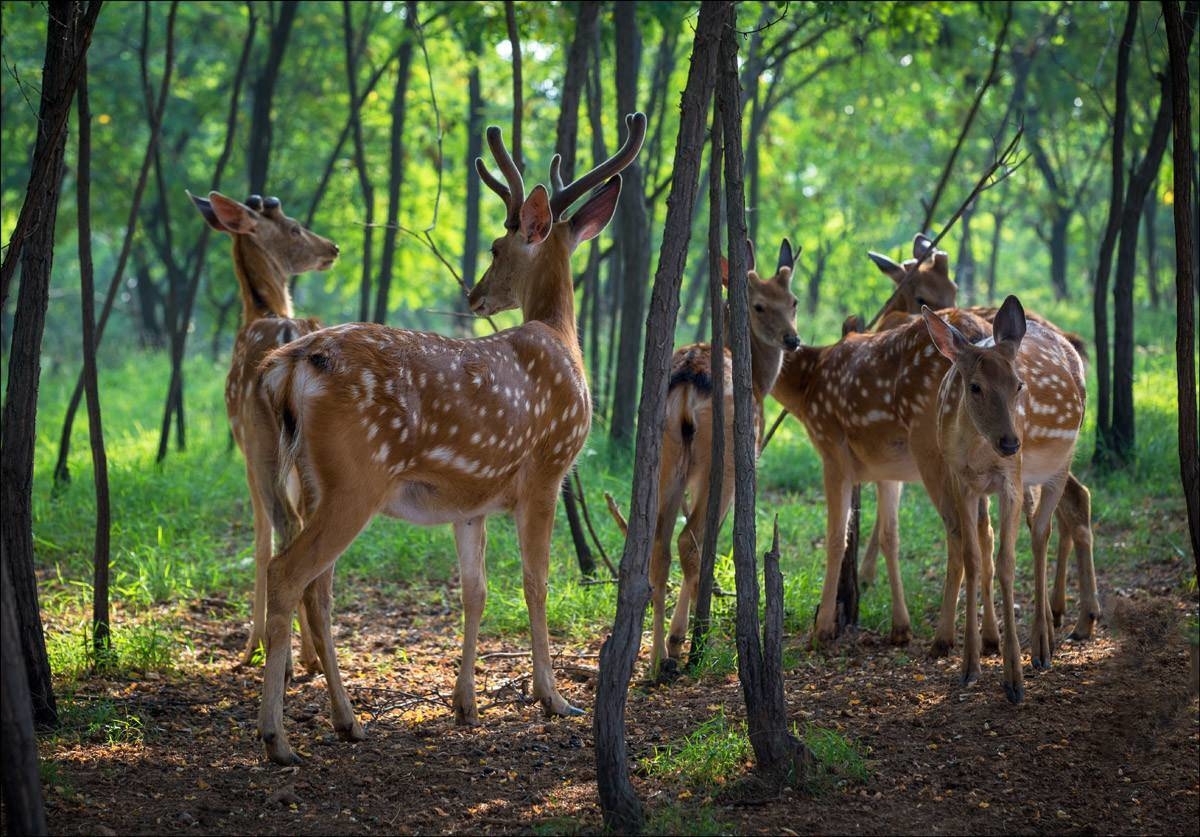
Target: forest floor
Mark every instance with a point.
(1107, 741)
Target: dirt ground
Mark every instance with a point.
(1107, 741)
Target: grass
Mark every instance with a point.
(182, 530)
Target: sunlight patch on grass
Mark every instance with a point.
(710, 756)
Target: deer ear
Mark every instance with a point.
(786, 257)
(1008, 327)
(204, 206)
(594, 215)
(750, 263)
(887, 266)
(234, 216)
(921, 245)
(945, 336)
(536, 218)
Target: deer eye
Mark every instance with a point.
(793, 304)
(975, 388)
(921, 300)
(758, 306)
(1020, 385)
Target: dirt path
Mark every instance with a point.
(1107, 741)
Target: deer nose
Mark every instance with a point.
(791, 342)
(1008, 445)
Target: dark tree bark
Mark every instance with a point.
(1178, 38)
(965, 269)
(20, 780)
(1102, 456)
(716, 474)
(1123, 430)
(998, 216)
(1150, 222)
(618, 801)
(155, 107)
(68, 35)
(514, 41)
(45, 174)
(632, 231)
(591, 274)
(475, 106)
(261, 123)
(100, 549)
(396, 169)
(354, 48)
(779, 756)
(817, 273)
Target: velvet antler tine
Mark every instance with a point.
(636, 135)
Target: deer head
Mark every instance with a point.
(539, 238)
(930, 284)
(990, 386)
(772, 304)
(262, 224)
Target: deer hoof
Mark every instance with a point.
(940, 648)
(968, 677)
(278, 750)
(353, 732)
(1015, 694)
(900, 635)
(990, 647)
(1042, 663)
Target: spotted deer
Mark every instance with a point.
(268, 249)
(436, 430)
(1006, 417)
(863, 401)
(687, 443)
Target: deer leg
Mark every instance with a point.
(1076, 502)
(312, 553)
(1006, 559)
(470, 537)
(535, 519)
(690, 540)
(670, 499)
(868, 567)
(943, 637)
(1058, 597)
(887, 532)
(318, 601)
(309, 658)
(969, 511)
(1042, 638)
(837, 515)
(262, 557)
(987, 541)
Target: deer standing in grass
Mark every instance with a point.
(268, 249)
(435, 430)
(1006, 417)
(865, 402)
(687, 444)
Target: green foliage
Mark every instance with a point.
(837, 759)
(711, 755)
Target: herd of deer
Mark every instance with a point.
(340, 424)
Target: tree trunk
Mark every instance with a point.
(1123, 437)
(1150, 222)
(621, 808)
(1102, 456)
(1185, 264)
(998, 217)
(716, 473)
(62, 473)
(965, 269)
(100, 551)
(779, 756)
(475, 128)
(396, 170)
(1058, 251)
(261, 122)
(353, 51)
(68, 34)
(633, 230)
(518, 84)
(20, 781)
(591, 275)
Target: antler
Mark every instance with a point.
(562, 197)
(514, 192)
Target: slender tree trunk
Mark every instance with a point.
(68, 35)
(621, 808)
(633, 231)
(396, 172)
(965, 270)
(994, 253)
(591, 277)
(21, 781)
(154, 115)
(716, 472)
(1058, 251)
(780, 757)
(360, 157)
(261, 121)
(1150, 222)
(1185, 262)
(1123, 437)
(1102, 455)
(100, 551)
(514, 41)
(475, 106)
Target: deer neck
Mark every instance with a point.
(766, 359)
(797, 374)
(262, 280)
(550, 298)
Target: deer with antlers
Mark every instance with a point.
(687, 444)
(435, 430)
(268, 249)
(1006, 417)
